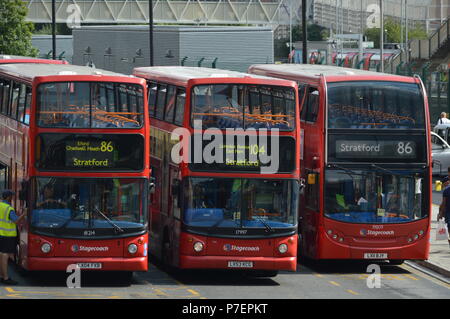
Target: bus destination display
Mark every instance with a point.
(112, 152)
(244, 154)
(90, 153)
(376, 148)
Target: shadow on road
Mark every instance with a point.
(347, 266)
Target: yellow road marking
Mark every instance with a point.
(334, 283)
(410, 277)
(352, 292)
(193, 292)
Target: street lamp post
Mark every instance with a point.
(381, 37)
(150, 22)
(54, 29)
(305, 34)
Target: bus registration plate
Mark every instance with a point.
(89, 265)
(375, 256)
(240, 264)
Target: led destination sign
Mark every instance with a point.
(112, 152)
(370, 149)
(243, 154)
(94, 153)
(367, 148)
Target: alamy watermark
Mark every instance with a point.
(74, 18)
(374, 280)
(74, 279)
(236, 147)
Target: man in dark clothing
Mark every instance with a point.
(8, 234)
(444, 208)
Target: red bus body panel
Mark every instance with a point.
(111, 253)
(219, 251)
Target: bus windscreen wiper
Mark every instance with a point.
(268, 228)
(117, 229)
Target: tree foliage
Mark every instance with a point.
(15, 32)
(393, 33)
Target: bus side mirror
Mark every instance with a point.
(152, 185)
(301, 187)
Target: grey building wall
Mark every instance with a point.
(64, 45)
(235, 48)
(122, 48)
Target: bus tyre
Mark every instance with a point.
(165, 257)
(396, 262)
(19, 268)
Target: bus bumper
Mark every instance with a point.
(222, 262)
(106, 263)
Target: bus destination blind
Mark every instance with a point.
(84, 152)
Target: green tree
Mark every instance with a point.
(315, 33)
(15, 32)
(393, 33)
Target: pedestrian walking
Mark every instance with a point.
(444, 208)
(8, 235)
(443, 119)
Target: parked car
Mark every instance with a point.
(440, 153)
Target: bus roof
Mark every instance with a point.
(314, 71)
(183, 74)
(8, 59)
(30, 71)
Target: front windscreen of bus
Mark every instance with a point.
(375, 195)
(240, 203)
(90, 105)
(243, 106)
(100, 207)
(375, 105)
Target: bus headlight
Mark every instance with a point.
(46, 247)
(132, 248)
(283, 248)
(198, 246)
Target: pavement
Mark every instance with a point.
(439, 257)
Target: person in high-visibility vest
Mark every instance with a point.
(8, 234)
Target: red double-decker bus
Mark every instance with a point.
(74, 148)
(367, 162)
(15, 59)
(220, 205)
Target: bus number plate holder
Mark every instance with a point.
(375, 256)
(89, 265)
(240, 264)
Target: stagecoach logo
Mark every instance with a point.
(375, 233)
(228, 247)
(76, 248)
